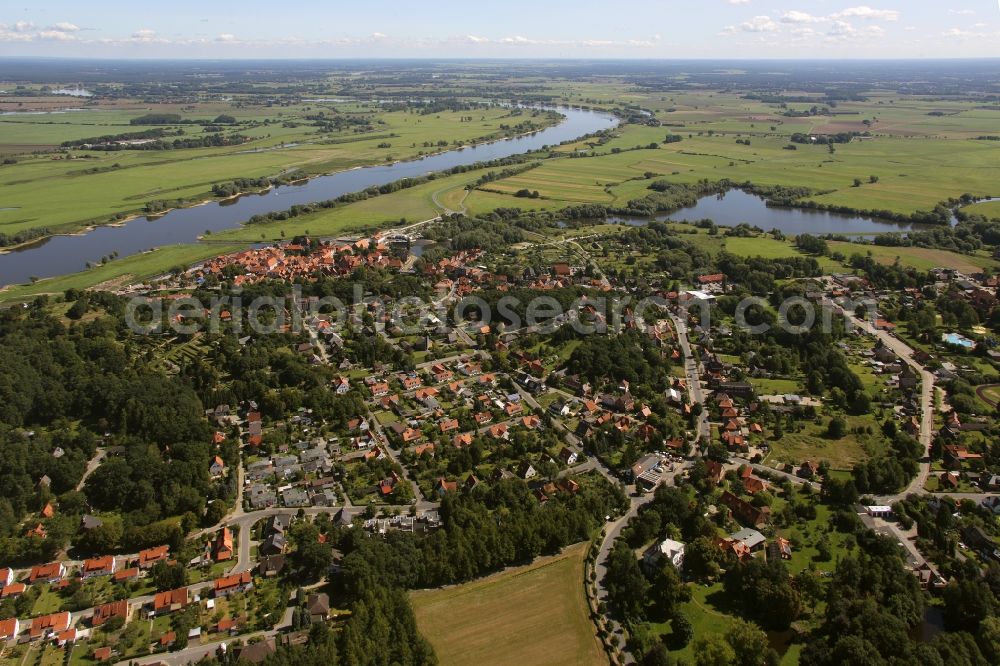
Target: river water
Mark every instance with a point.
(59, 255)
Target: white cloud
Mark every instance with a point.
(867, 13)
(473, 39)
(24, 26)
(962, 12)
(378, 35)
(226, 37)
(759, 24)
(795, 16)
(738, 2)
(66, 26)
(56, 35)
(962, 35)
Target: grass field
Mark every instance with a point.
(811, 443)
(529, 615)
(918, 257)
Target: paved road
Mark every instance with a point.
(905, 352)
(695, 392)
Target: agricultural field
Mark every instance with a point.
(535, 614)
(65, 190)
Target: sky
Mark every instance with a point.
(587, 29)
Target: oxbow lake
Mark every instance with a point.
(737, 207)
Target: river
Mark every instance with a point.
(62, 254)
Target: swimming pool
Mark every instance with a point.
(960, 340)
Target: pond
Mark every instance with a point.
(737, 207)
(60, 255)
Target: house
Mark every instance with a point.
(12, 590)
(168, 639)
(9, 629)
(526, 471)
(667, 550)
(646, 463)
(462, 440)
(105, 612)
(217, 467)
(49, 625)
(779, 549)
(949, 481)
(170, 601)
(98, 566)
(716, 471)
(807, 470)
(227, 625)
(256, 653)
(753, 485)
(222, 549)
(66, 636)
(442, 487)
(6, 577)
(318, 606)
(427, 449)
(150, 556)
(47, 573)
(976, 539)
(750, 538)
(271, 566)
(745, 512)
(499, 431)
(273, 545)
(125, 575)
(236, 583)
(295, 497)
(102, 654)
(559, 408)
(568, 456)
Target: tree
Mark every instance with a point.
(701, 558)
(681, 632)
(311, 557)
(837, 428)
(627, 587)
(713, 650)
(668, 590)
(989, 639)
(168, 576)
(750, 645)
(658, 656)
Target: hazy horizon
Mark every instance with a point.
(583, 29)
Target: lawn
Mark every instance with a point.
(535, 614)
(775, 386)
